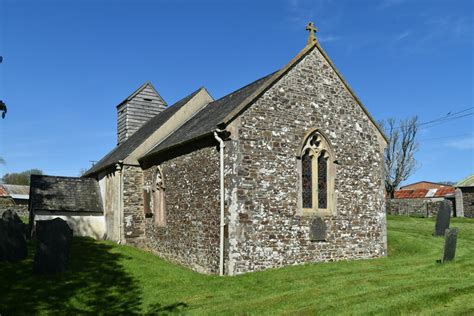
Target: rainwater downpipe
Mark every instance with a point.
(222, 221)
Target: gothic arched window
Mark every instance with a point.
(317, 176)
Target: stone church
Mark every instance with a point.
(285, 170)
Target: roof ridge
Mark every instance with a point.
(178, 127)
(279, 74)
(51, 176)
(444, 184)
(221, 102)
(131, 138)
(140, 89)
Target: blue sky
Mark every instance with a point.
(67, 64)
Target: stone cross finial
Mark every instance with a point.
(312, 29)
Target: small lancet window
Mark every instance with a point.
(317, 176)
(159, 205)
(154, 199)
(147, 201)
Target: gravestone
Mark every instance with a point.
(442, 218)
(52, 251)
(450, 239)
(13, 245)
(317, 230)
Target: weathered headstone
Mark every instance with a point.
(450, 239)
(13, 245)
(52, 251)
(442, 218)
(317, 231)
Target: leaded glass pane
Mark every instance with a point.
(322, 182)
(307, 172)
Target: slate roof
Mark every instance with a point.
(15, 191)
(425, 193)
(206, 121)
(466, 182)
(136, 139)
(65, 194)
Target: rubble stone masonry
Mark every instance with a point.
(265, 225)
(266, 228)
(468, 201)
(415, 207)
(133, 216)
(191, 234)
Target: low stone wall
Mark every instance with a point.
(468, 201)
(415, 207)
(21, 210)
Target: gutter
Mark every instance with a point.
(222, 220)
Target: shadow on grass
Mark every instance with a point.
(95, 281)
(158, 309)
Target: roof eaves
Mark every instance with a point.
(152, 154)
(93, 171)
(466, 182)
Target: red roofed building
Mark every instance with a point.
(442, 192)
(421, 199)
(424, 185)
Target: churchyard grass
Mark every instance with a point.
(106, 278)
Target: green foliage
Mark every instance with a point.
(105, 278)
(3, 109)
(22, 178)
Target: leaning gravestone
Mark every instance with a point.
(450, 239)
(442, 218)
(52, 250)
(317, 230)
(13, 245)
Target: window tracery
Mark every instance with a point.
(317, 176)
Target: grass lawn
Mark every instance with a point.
(109, 279)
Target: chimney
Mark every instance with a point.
(136, 110)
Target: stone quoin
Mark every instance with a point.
(302, 166)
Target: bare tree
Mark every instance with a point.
(400, 160)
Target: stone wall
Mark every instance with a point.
(415, 207)
(20, 209)
(266, 226)
(191, 234)
(468, 201)
(133, 216)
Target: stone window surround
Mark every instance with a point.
(158, 197)
(323, 147)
